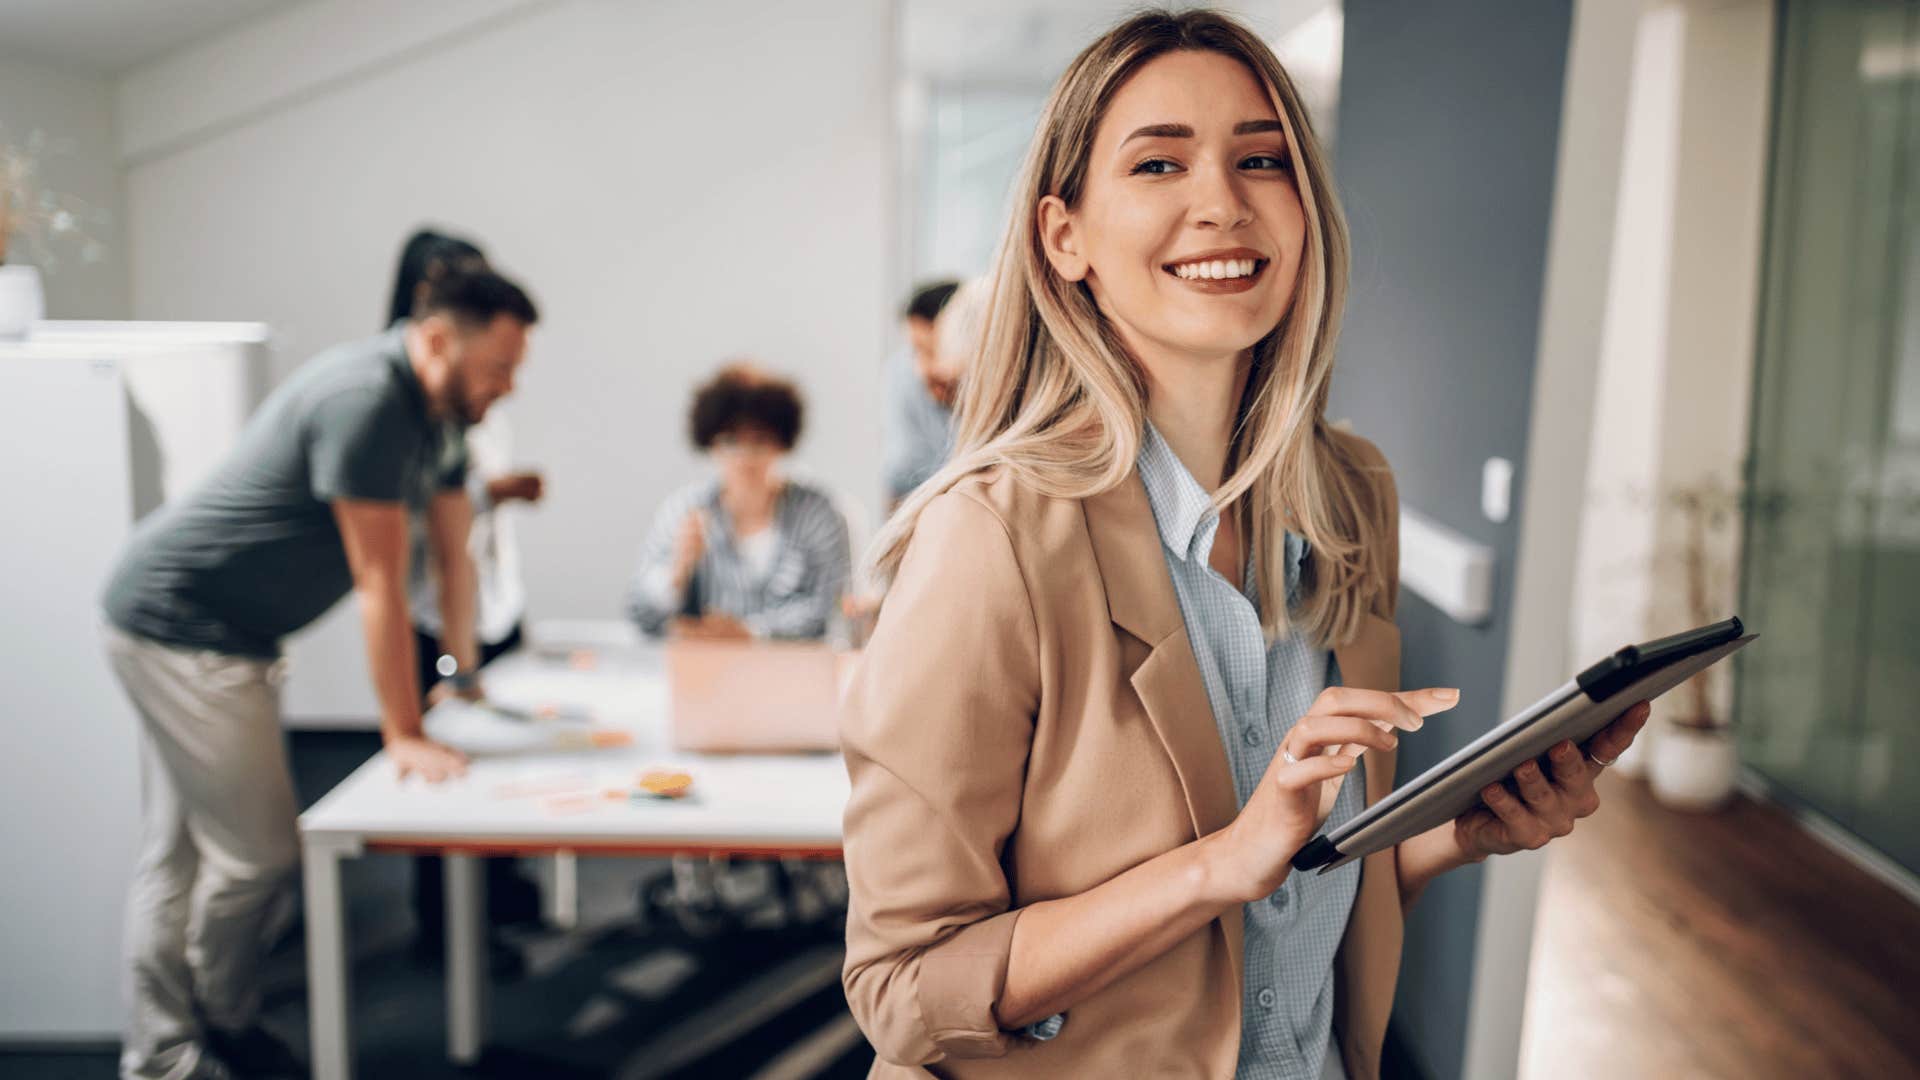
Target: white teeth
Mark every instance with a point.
(1215, 269)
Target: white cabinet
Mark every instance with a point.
(97, 423)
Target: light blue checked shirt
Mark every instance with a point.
(1257, 691)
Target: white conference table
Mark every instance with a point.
(524, 795)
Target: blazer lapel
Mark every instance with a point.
(1141, 602)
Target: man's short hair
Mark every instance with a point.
(474, 296)
(929, 298)
(742, 396)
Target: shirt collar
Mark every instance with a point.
(1183, 510)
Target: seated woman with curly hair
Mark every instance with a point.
(748, 552)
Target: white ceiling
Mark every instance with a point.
(106, 37)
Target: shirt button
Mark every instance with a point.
(1278, 898)
(1267, 998)
(1251, 734)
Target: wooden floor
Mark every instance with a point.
(1723, 945)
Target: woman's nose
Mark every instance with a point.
(1217, 200)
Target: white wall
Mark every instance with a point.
(1677, 354)
(79, 111)
(676, 182)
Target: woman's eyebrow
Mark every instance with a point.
(1183, 131)
(1159, 131)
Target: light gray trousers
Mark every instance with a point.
(217, 850)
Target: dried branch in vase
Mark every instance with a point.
(34, 218)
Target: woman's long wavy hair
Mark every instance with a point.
(1055, 400)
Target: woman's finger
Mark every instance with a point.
(1569, 766)
(1543, 798)
(1405, 710)
(1481, 830)
(1312, 735)
(1311, 771)
(1375, 705)
(1573, 774)
(1533, 786)
(1614, 739)
(1523, 828)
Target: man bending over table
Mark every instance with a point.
(310, 505)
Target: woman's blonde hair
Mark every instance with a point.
(1055, 400)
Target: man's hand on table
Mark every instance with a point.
(419, 755)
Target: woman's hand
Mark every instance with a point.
(1252, 856)
(1546, 806)
(688, 546)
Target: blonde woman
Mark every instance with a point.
(1138, 645)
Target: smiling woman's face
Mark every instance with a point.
(1189, 227)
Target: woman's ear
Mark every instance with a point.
(1061, 239)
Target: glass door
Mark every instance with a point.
(1829, 700)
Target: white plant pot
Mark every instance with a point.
(22, 302)
(1693, 769)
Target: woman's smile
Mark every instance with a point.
(1231, 270)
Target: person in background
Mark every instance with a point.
(491, 483)
(920, 396)
(958, 333)
(750, 552)
(943, 351)
(310, 505)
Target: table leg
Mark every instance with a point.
(563, 891)
(466, 959)
(330, 1022)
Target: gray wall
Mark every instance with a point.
(1449, 120)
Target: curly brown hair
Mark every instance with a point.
(741, 396)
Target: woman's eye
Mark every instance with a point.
(1154, 167)
(1267, 161)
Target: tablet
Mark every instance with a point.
(1577, 711)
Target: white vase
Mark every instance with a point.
(22, 302)
(1694, 769)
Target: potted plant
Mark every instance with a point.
(1692, 762)
(33, 217)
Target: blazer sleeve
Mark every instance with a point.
(936, 733)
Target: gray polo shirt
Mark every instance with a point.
(254, 554)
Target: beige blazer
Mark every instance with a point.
(1029, 722)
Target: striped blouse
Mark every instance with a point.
(790, 592)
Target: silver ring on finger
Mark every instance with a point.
(1286, 755)
(1600, 761)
